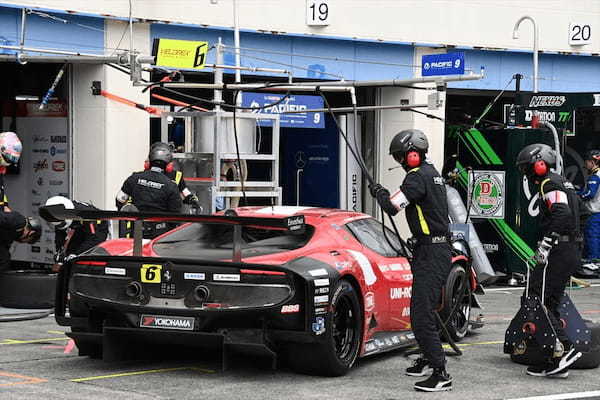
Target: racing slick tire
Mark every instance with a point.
(335, 354)
(29, 289)
(457, 291)
(588, 360)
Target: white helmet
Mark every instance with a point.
(67, 203)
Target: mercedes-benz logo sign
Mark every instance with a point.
(300, 159)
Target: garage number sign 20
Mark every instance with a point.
(150, 273)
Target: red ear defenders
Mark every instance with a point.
(413, 159)
(169, 168)
(540, 168)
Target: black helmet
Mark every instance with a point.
(160, 155)
(531, 154)
(407, 140)
(593, 155)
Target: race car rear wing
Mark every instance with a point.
(58, 213)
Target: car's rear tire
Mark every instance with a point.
(340, 346)
(457, 291)
(30, 289)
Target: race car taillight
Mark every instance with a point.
(260, 272)
(99, 263)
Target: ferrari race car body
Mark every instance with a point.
(319, 287)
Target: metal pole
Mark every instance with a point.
(328, 85)
(64, 59)
(535, 47)
(50, 51)
(236, 41)
(23, 25)
(218, 85)
(360, 108)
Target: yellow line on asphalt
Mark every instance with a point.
(16, 341)
(446, 346)
(149, 371)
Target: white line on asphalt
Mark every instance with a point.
(502, 289)
(564, 396)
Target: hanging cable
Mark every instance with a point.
(237, 149)
(491, 104)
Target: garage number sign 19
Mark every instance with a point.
(150, 273)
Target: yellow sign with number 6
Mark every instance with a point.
(150, 273)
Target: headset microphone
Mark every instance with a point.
(392, 168)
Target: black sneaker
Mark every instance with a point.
(539, 370)
(569, 356)
(420, 367)
(439, 381)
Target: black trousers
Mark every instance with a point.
(430, 267)
(562, 263)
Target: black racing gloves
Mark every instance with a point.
(382, 195)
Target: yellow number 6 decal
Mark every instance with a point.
(150, 273)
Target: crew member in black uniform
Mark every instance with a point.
(152, 191)
(424, 195)
(72, 238)
(177, 177)
(16, 227)
(559, 247)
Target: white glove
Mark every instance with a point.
(543, 250)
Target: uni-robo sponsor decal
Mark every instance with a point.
(365, 265)
(369, 301)
(196, 276)
(400, 293)
(115, 271)
(318, 272)
(226, 277)
(321, 282)
(166, 322)
(290, 308)
(321, 299)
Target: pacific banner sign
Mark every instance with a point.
(443, 64)
(269, 103)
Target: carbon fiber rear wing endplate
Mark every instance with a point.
(58, 213)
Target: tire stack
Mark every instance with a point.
(27, 289)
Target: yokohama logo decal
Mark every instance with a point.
(164, 322)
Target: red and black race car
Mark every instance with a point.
(320, 287)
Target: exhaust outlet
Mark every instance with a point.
(201, 293)
(133, 289)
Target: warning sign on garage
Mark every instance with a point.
(184, 54)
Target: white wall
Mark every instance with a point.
(110, 140)
(486, 23)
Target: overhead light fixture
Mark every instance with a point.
(26, 98)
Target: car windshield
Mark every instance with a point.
(215, 241)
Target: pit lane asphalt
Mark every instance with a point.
(37, 361)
